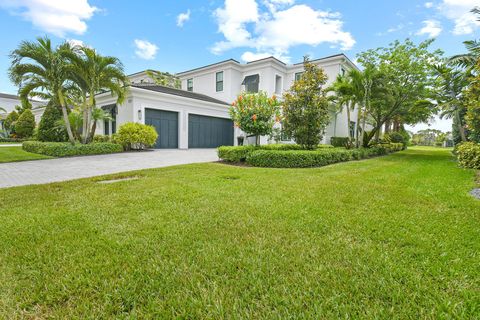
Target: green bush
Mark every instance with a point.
(396, 137)
(9, 122)
(25, 124)
(240, 153)
(101, 138)
(316, 158)
(341, 142)
(11, 140)
(468, 154)
(65, 149)
(48, 128)
(136, 136)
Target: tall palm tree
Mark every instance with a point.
(98, 114)
(450, 85)
(95, 73)
(344, 96)
(40, 70)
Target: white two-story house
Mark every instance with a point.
(197, 115)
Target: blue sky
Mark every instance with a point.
(179, 35)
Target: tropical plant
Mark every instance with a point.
(305, 107)
(94, 73)
(165, 79)
(255, 113)
(344, 96)
(41, 70)
(98, 114)
(450, 84)
(468, 60)
(3, 110)
(472, 102)
(25, 124)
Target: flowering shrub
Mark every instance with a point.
(255, 113)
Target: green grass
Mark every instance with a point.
(395, 237)
(13, 154)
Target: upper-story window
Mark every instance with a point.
(298, 76)
(278, 84)
(219, 81)
(190, 84)
(251, 83)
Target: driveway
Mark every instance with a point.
(54, 170)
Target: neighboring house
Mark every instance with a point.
(197, 116)
(10, 101)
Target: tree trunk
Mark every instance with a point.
(257, 140)
(348, 121)
(65, 117)
(85, 122)
(92, 131)
(388, 124)
(461, 129)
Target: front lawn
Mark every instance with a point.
(390, 237)
(15, 153)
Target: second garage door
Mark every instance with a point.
(166, 124)
(209, 132)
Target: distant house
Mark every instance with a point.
(197, 115)
(10, 101)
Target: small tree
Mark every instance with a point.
(9, 123)
(48, 130)
(25, 124)
(472, 116)
(255, 113)
(305, 107)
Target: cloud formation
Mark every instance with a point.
(58, 17)
(458, 11)
(275, 26)
(431, 28)
(145, 49)
(182, 18)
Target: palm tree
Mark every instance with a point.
(469, 59)
(41, 70)
(95, 73)
(450, 85)
(98, 114)
(3, 110)
(344, 96)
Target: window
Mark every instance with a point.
(219, 81)
(110, 126)
(352, 129)
(278, 84)
(190, 84)
(251, 83)
(298, 76)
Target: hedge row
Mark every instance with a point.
(317, 158)
(65, 149)
(11, 140)
(468, 155)
(240, 153)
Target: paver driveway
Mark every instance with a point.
(53, 170)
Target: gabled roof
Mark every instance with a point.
(178, 92)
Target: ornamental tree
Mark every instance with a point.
(9, 122)
(25, 124)
(255, 113)
(305, 107)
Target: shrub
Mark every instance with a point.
(397, 137)
(316, 158)
(65, 149)
(136, 136)
(101, 138)
(240, 153)
(345, 142)
(9, 122)
(11, 140)
(25, 124)
(468, 155)
(48, 128)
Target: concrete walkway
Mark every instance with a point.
(54, 170)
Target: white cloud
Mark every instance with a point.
(432, 28)
(182, 18)
(275, 30)
(251, 56)
(459, 12)
(58, 17)
(145, 49)
(76, 42)
(428, 5)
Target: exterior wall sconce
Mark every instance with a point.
(140, 114)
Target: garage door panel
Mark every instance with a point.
(166, 124)
(209, 132)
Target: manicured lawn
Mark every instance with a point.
(395, 237)
(13, 154)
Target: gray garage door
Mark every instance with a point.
(209, 132)
(166, 123)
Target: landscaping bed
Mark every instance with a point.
(65, 149)
(292, 156)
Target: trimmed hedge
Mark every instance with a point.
(65, 149)
(317, 158)
(468, 154)
(11, 140)
(240, 153)
(340, 141)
